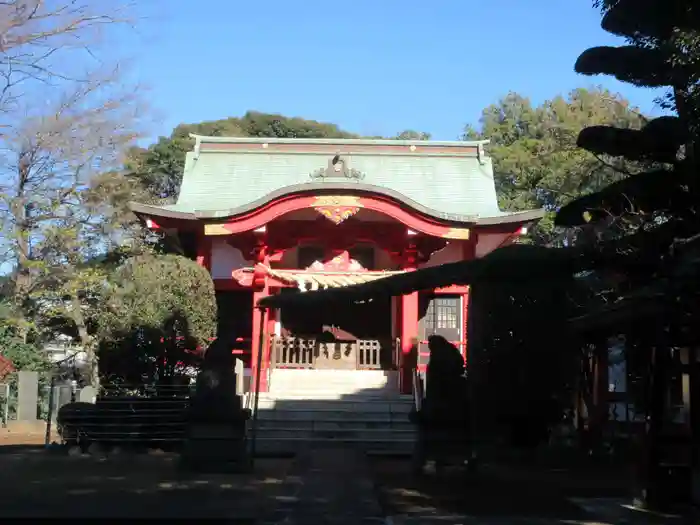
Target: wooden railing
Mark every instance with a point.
(297, 352)
(293, 352)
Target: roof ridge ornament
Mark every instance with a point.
(338, 168)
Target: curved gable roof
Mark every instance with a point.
(448, 181)
(345, 188)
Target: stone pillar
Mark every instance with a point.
(239, 370)
(27, 396)
(216, 430)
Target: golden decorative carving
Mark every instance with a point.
(338, 214)
(337, 208)
(336, 200)
(457, 233)
(216, 229)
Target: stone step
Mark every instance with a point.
(334, 395)
(305, 419)
(330, 424)
(334, 406)
(362, 434)
(397, 446)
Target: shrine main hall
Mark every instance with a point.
(271, 216)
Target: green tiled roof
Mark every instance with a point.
(216, 181)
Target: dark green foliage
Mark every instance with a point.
(537, 163)
(654, 191)
(655, 56)
(410, 134)
(162, 310)
(24, 357)
(256, 124)
(643, 19)
(148, 290)
(658, 141)
(522, 379)
(655, 307)
(641, 67)
(159, 167)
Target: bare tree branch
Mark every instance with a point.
(37, 38)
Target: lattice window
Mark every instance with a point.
(446, 313)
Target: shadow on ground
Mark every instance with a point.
(36, 483)
(508, 494)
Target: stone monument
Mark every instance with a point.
(216, 425)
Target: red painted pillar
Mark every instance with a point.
(260, 290)
(465, 326)
(255, 347)
(267, 356)
(409, 340)
(409, 325)
(468, 253)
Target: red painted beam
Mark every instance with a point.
(283, 206)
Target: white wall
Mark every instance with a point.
(225, 259)
(450, 253)
(488, 242)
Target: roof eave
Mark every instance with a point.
(150, 210)
(520, 217)
(349, 142)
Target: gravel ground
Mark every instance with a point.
(21, 438)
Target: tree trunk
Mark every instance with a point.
(652, 486)
(21, 232)
(86, 341)
(598, 416)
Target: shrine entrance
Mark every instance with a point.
(347, 336)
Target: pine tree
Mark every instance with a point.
(657, 307)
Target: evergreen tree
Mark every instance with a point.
(656, 307)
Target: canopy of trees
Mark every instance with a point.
(158, 168)
(537, 162)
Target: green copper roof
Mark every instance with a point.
(442, 176)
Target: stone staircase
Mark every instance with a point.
(354, 408)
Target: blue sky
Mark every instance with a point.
(372, 67)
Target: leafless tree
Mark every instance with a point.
(52, 167)
(63, 114)
(39, 40)
(67, 120)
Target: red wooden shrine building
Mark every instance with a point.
(271, 216)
